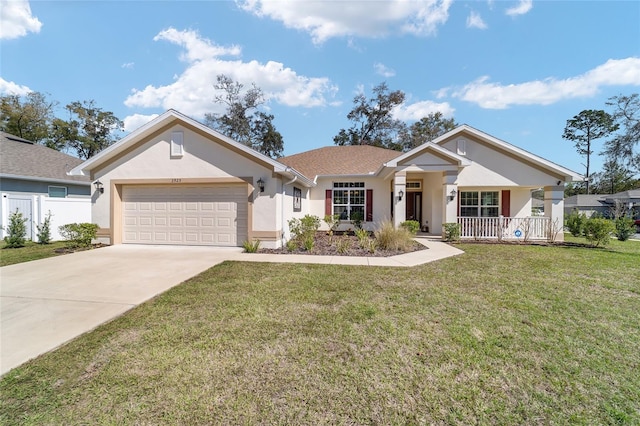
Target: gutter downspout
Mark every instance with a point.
(295, 178)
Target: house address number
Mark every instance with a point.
(176, 180)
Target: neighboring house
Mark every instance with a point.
(34, 180)
(176, 181)
(603, 204)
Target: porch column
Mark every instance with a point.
(554, 208)
(449, 206)
(399, 205)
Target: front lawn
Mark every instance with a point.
(31, 251)
(503, 334)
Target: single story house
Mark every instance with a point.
(176, 181)
(34, 180)
(603, 204)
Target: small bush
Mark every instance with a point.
(305, 228)
(356, 219)
(389, 238)
(17, 230)
(308, 242)
(625, 228)
(79, 234)
(575, 223)
(363, 237)
(292, 245)
(44, 230)
(251, 247)
(343, 245)
(451, 231)
(413, 226)
(598, 231)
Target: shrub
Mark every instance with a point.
(292, 245)
(598, 231)
(308, 242)
(305, 228)
(451, 231)
(17, 230)
(625, 228)
(251, 247)
(363, 237)
(343, 245)
(79, 234)
(356, 220)
(390, 238)
(575, 223)
(413, 226)
(44, 230)
(332, 221)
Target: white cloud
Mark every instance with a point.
(474, 20)
(11, 88)
(523, 7)
(383, 70)
(325, 20)
(421, 109)
(16, 19)
(134, 121)
(128, 65)
(614, 72)
(192, 92)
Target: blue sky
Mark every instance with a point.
(514, 69)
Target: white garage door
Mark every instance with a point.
(189, 215)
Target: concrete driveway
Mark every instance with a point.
(48, 302)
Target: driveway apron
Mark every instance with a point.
(48, 302)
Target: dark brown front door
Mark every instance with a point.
(414, 206)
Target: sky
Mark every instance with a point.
(517, 70)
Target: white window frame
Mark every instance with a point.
(177, 144)
(479, 206)
(57, 187)
(349, 188)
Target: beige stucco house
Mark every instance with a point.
(176, 181)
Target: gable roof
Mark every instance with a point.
(25, 160)
(569, 175)
(585, 200)
(340, 160)
(173, 117)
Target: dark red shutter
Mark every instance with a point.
(506, 203)
(369, 206)
(327, 203)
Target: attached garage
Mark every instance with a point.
(213, 215)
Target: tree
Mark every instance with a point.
(373, 122)
(627, 115)
(28, 117)
(242, 120)
(586, 127)
(614, 178)
(427, 129)
(89, 129)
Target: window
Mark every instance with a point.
(348, 199)
(414, 184)
(479, 204)
(57, 191)
(176, 144)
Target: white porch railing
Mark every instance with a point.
(506, 228)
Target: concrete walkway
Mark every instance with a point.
(45, 303)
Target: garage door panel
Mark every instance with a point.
(195, 215)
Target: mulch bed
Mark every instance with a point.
(327, 246)
(68, 250)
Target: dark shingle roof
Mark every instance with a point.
(340, 160)
(19, 157)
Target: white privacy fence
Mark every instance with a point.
(35, 209)
(508, 228)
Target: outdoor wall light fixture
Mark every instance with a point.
(452, 195)
(400, 195)
(99, 186)
(261, 185)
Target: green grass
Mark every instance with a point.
(31, 251)
(503, 334)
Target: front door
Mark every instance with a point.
(414, 206)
